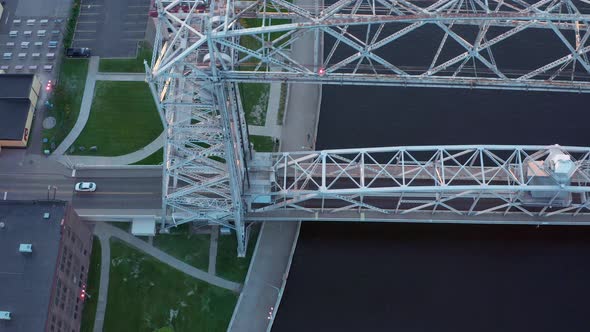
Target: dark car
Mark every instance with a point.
(78, 52)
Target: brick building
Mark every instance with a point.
(45, 253)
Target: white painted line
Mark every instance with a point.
(78, 39)
(134, 31)
(7, 16)
(5, 194)
(74, 172)
(86, 31)
(132, 39)
(138, 6)
(140, 14)
(89, 13)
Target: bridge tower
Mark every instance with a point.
(203, 49)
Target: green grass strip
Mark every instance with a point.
(132, 65)
(66, 99)
(123, 119)
(93, 283)
(147, 295)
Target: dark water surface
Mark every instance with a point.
(411, 278)
(455, 278)
(439, 278)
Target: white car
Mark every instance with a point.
(85, 186)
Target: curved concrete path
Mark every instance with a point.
(84, 108)
(126, 159)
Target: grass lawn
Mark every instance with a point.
(66, 99)
(131, 65)
(262, 143)
(229, 265)
(192, 249)
(123, 119)
(153, 159)
(92, 288)
(255, 102)
(147, 295)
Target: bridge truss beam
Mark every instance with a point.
(537, 182)
(201, 55)
(364, 39)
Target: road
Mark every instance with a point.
(116, 189)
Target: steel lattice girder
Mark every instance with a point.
(463, 180)
(363, 59)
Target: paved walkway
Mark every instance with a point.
(105, 270)
(213, 249)
(71, 161)
(270, 128)
(126, 159)
(84, 109)
(135, 77)
(108, 231)
(270, 265)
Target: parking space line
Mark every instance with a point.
(85, 31)
(134, 31)
(137, 14)
(80, 39)
(139, 6)
(87, 22)
(89, 14)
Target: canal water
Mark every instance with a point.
(455, 278)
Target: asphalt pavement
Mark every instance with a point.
(120, 193)
(116, 189)
(111, 28)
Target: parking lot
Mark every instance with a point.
(30, 36)
(111, 28)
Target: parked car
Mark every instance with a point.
(85, 186)
(78, 52)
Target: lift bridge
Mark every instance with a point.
(205, 48)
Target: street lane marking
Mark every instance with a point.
(74, 172)
(5, 194)
(7, 16)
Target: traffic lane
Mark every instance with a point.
(135, 172)
(120, 193)
(35, 186)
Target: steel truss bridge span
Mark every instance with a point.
(517, 183)
(360, 35)
(211, 174)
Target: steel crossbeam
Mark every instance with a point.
(204, 48)
(463, 180)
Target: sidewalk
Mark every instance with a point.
(126, 159)
(270, 265)
(84, 109)
(93, 75)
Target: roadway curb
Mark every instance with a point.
(116, 167)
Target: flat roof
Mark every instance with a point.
(13, 118)
(26, 278)
(15, 85)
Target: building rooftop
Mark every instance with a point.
(14, 113)
(15, 85)
(26, 278)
